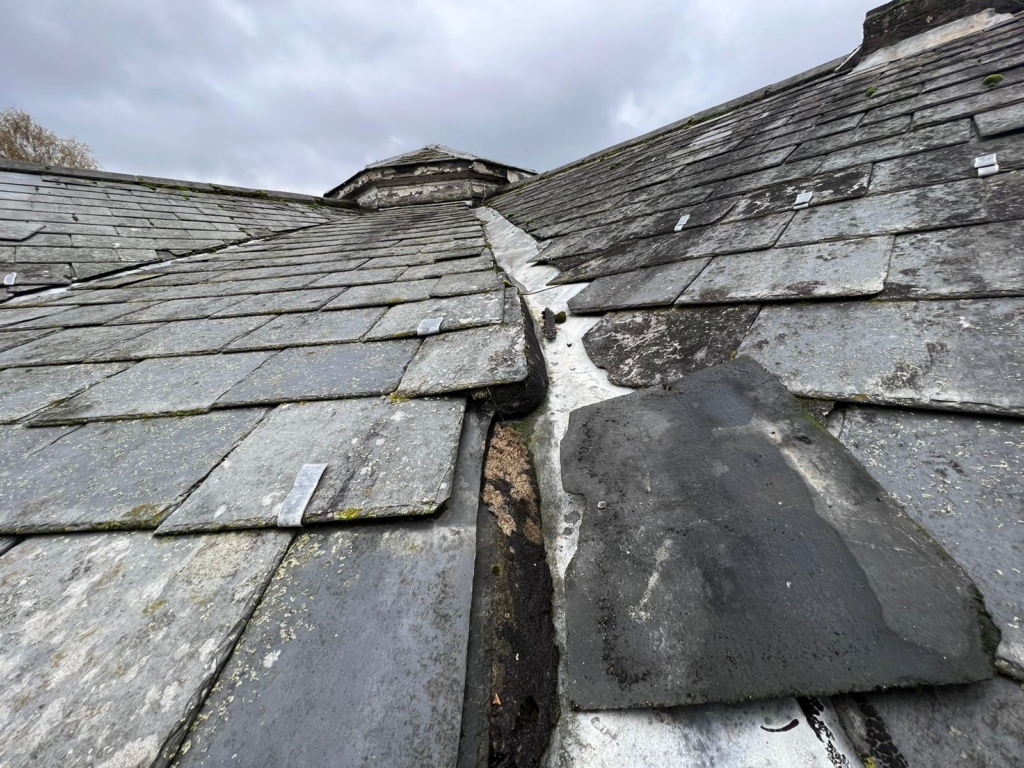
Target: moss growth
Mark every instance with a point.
(351, 513)
(153, 607)
(871, 91)
(496, 569)
(560, 317)
(396, 398)
(992, 80)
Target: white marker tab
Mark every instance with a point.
(682, 222)
(429, 326)
(294, 506)
(803, 200)
(985, 161)
(10, 278)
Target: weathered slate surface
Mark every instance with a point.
(357, 655)
(640, 349)
(183, 337)
(383, 459)
(325, 372)
(110, 640)
(976, 725)
(168, 385)
(277, 303)
(648, 287)
(963, 355)
(962, 478)
(477, 357)
(984, 260)
(732, 550)
(457, 312)
(460, 283)
(847, 268)
(24, 391)
(126, 474)
(71, 345)
(380, 295)
(1004, 120)
(310, 328)
(181, 309)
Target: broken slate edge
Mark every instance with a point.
(732, 549)
(384, 459)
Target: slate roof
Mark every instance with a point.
(190, 373)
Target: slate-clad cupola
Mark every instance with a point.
(433, 174)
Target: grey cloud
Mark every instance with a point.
(300, 95)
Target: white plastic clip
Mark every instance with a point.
(682, 222)
(429, 326)
(9, 279)
(986, 165)
(294, 505)
(803, 200)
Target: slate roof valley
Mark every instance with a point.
(705, 450)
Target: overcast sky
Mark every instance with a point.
(299, 95)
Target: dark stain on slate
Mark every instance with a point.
(732, 549)
(641, 349)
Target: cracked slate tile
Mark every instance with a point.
(383, 294)
(325, 372)
(459, 283)
(411, 583)
(13, 315)
(644, 348)
(647, 287)
(184, 337)
(450, 267)
(279, 303)
(357, 277)
(983, 260)
(457, 312)
(182, 309)
(731, 549)
(844, 268)
(104, 476)
(166, 385)
(825, 189)
(83, 661)
(9, 339)
(961, 478)
(384, 459)
(24, 391)
(999, 121)
(958, 355)
(311, 328)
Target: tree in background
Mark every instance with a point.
(22, 138)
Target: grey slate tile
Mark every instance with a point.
(278, 303)
(16, 231)
(959, 355)
(9, 339)
(866, 133)
(13, 315)
(325, 372)
(962, 478)
(181, 309)
(383, 294)
(357, 277)
(26, 390)
(1003, 120)
(478, 357)
(383, 459)
(647, 287)
(126, 474)
(390, 692)
(983, 260)
(641, 349)
(461, 283)
(111, 639)
(983, 102)
(311, 328)
(457, 312)
(958, 132)
(941, 165)
(71, 345)
(184, 337)
(845, 268)
(976, 725)
(167, 385)
(454, 266)
(825, 189)
(731, 549)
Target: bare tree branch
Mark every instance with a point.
(22, 138)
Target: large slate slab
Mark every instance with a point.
(110, 640)
(983, 260)
(384, 459)
(357, 654)
(456, 312)
(962, 478)
(96, 314)
(311, 328)
(847, 268)
(162, 386)
(1004, 120)
(640, 349)
(384, 294)
(477, 357)
(460, 283)
(71, 345)
(971, 725)
(325, 372)
(648, 287)
(961, 355)
(731, 549)
(285, 301)
(125, 474)
(181, 309)
(26, 390)
(184, 337)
